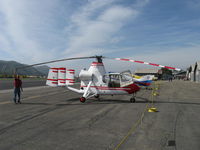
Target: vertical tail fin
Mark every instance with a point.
(61, 76)
(52, 79)
(70, 73)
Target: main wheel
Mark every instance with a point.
(82, 99)
(132, 100)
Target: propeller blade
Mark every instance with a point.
(147, 63)
(48, 62)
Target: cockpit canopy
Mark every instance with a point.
(118, 79)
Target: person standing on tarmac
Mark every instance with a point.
(17, 89)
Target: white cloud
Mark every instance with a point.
(93, 29)
(117, 14)
(15, 25)
(4, 43)
(31, 30)
(180, 57)
(24, 21)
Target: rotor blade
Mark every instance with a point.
(147, 63)
(48, 62)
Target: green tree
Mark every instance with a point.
(166, 73)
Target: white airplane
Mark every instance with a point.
(95, 81)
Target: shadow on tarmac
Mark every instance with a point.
(34, 103)
(88, 102)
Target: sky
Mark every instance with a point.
(166, 32)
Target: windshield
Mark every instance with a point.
(126, 78)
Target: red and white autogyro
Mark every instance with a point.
(95, 81)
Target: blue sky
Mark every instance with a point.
(159, 31)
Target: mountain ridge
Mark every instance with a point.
(8, 68)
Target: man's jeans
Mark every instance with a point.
(17, 92)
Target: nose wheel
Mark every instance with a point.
(82, 99)
(132, 99)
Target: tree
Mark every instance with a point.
(166, 71)
(166, 74)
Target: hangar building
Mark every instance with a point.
(141, 72)
(193, 72)
(197, 72)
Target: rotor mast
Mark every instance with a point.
(99, 59)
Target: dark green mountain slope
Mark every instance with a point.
(8, 67)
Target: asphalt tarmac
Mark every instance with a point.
(8, 83)
(54, 119)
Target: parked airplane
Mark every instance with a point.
(143, 80)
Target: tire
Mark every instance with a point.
(82, 99)
(132, 100)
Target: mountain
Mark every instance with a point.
(8, 68)
(43, 69)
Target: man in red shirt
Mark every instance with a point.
(17, 89)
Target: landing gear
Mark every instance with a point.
(132, 99)
(82, 99)
(96, 96)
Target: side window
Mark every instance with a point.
(114, 81)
